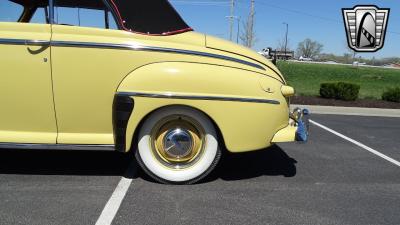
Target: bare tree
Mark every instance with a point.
(350, 52)
(348, 58)
(309, 48)
(248, 35)
(281, 45)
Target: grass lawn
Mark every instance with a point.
(306, 78)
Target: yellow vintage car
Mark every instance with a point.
(133, 76)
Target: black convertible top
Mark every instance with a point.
(150, 16)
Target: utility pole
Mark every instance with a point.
(238, 30)
(286, 38)
(238, 27)
(251, 28)
(248, 37)
(231, 17)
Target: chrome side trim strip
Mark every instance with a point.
(204, 54)
(23, 42)
(198, 97)
(127, 47)
(57, 147)
(153, 49)
(271, 68)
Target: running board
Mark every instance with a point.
(57, 147)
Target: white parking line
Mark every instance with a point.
(397, 163)
(113, 204)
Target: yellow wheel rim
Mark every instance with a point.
(177, 141)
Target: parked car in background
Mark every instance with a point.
(301, 58)
(133, 76)
(356, 63)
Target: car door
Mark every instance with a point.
(85, 77)
(26, 98)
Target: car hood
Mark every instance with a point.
(194, 41)
(227, 46)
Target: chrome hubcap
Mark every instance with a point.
(178, 143)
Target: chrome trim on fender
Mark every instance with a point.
(57, 147)
(127, 47)
(198, 97)
(152, 49)
(203, 54)
(23, 42)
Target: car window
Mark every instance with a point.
(112, 24)
(40, 15)
(86, 13)
(23, 11)
(10, 11)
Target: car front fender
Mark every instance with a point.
(247, 107)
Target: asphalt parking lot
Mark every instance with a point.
(328, 180)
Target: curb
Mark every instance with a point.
(350, 111)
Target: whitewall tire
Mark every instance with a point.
(178, 145)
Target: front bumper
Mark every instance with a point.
(297, 130)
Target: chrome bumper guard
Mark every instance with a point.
(301, 120)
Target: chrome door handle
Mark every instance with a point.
(37, 42)
(43, 45)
